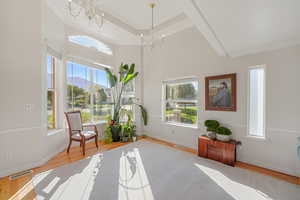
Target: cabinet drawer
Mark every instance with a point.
(214, 153)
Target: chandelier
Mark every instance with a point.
(90, 11)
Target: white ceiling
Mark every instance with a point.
(137, 13)
(251, 26)
(232, 27)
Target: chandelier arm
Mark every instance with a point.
(101, 23)
(70, 10)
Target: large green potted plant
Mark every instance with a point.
(118, 83)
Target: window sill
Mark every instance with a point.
(54, 132)
(257, 138)
(181, 125)
(95, 123)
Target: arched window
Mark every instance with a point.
(90, 42)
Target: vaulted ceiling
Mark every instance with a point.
(232, 27)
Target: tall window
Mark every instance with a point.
(256, 110)
(89, 92)
(51, 92)
(180, 102)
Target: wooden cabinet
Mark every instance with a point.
(224, 152)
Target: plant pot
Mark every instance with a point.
(125, 139)
(134, 138)
(224, 138)
(116, 130)
(211, 135)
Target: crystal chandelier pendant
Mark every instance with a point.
(90, 11)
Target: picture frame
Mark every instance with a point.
(220, 93)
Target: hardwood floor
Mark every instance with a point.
(22, 188)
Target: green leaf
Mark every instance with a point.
(122, 71)
(144, 115)
(130, 77)
(212, 124)
(125, 67)
(111, 78)
(131, 70)
(115, 79)
(223, 131)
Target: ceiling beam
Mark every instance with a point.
(118, 22)
(192, 10)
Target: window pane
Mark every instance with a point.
(49, 72)
(102, 111)
(91, 42)
(185, 91)
(102, 107)
(79, 87)
(50, 109)
(256, 102)
(183, 112)
(100, 78)
(89, 92)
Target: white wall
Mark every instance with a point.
(54, 31)
(24, 140)
(188, 54)
(21, 131)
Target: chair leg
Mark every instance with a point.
(83, 146)
(96, 141)
(70, 142)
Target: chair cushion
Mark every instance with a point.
(86, 134)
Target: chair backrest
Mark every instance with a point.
(74, 121)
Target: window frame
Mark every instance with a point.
(52, 90)
(249, 135)
(196, 101)
(97, 45)
(91, 76)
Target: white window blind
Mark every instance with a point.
(256, 97)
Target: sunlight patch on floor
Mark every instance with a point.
(51, 185)
(236, 190)
(133, 182)
(24, 191)
(68, 185)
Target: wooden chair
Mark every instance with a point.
(77, 132)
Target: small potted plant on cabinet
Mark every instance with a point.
(211, 128)
(223, 134)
